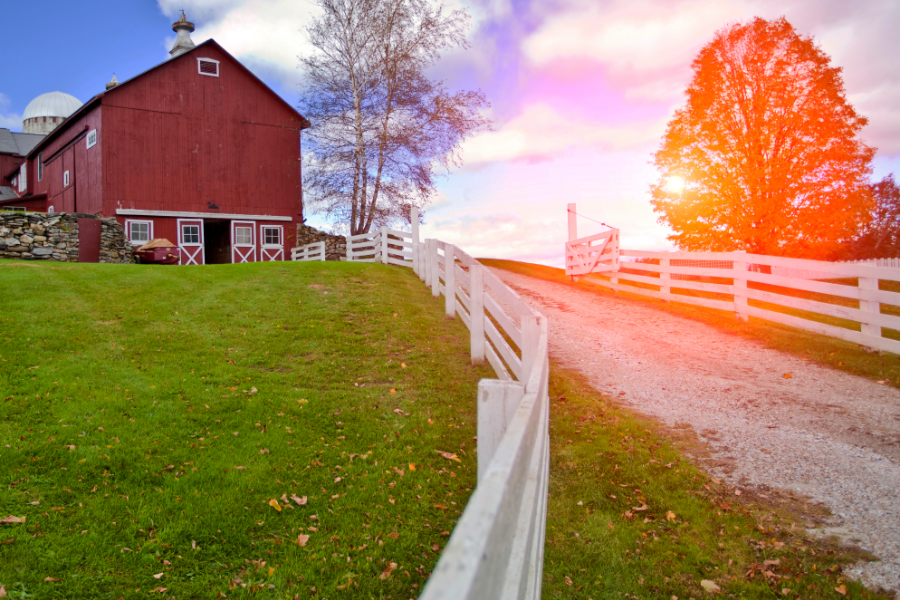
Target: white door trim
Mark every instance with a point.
(190, 252)
(241, 253)
(269, 252)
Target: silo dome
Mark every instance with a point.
(45, 112)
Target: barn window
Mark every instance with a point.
(243, 236)
(23, 178)
(271, 236)
(40, 162)
(208, 66)
(65, 178)
(14, 208)
(139, 232)
(92, 138)
(190, 234)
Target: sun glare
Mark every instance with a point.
(675, 184)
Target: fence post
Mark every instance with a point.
(435, 281)
(426, 264)
(531, 332)
(665, 278)
(414, 222)
(384, 247)
(420, 252)
(740, 286)
(497, 403)
(450, 280)
(348, 252)
(476, 312)
(869, 306)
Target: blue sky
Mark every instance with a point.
(581, 91)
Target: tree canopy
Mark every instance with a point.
(764, 156)
(880, 237)
(382, 130)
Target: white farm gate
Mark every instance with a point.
(496, 549)
(850, 301)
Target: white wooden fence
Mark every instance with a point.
(496, 549)
(660, 274)
(314, 251)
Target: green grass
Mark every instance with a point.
(824, 350)
(630, 517)
(151, 416)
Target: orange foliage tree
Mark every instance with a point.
(765, 151)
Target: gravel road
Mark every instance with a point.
(822, 433)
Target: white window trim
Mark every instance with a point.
(262, 236)
(23, 177)
(14, 208)
(91, 134)
(202, 60)
(40, 163)
(129, 223)
(50, 210)
(65, 179)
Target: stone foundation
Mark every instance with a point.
(54, 236)
(335, 245)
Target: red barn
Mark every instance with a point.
(197, 150)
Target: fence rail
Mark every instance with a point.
(857, 302)
(497, 547)
(315, 251)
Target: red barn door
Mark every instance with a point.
(272, 242)
(243, 244)
(190, 241)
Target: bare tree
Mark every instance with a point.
(382, 130)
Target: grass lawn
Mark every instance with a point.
(266, 429)
(821, 349)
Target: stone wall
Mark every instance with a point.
(335, 245)
(54, 236)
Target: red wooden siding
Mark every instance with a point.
(85, 165)
(177, 140)
(8, 162)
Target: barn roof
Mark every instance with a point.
(304, 122)
(7, 193)
(18, 143)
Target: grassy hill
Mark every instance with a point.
(157, 422)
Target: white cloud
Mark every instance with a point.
(541, 131)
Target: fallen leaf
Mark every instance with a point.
(568, 580)
(35, 503)
(402, 365)
(710, 586)
(158, 590)
(240, 468)
(387, 572)
(670, 516)
(337, 479)
(301, 501)
(193, 545)
(251, 392)
(412, 466)
(264, 451)
(448, 455)
(2, 592)
(393, 535)
(841, 589)
(302, 539)
(399, 412)
(787, 375)
(274, 504)
(393, 391)
(737, 492)
(640, 508)
(785, 591)
(52, 579)
(11, 520)
(158, 576)
(70, 447)
(440, 506)
(32, 368)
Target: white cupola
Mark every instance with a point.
(183, 42)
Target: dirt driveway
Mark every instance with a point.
(770, 419)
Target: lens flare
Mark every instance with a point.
(675, 184)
